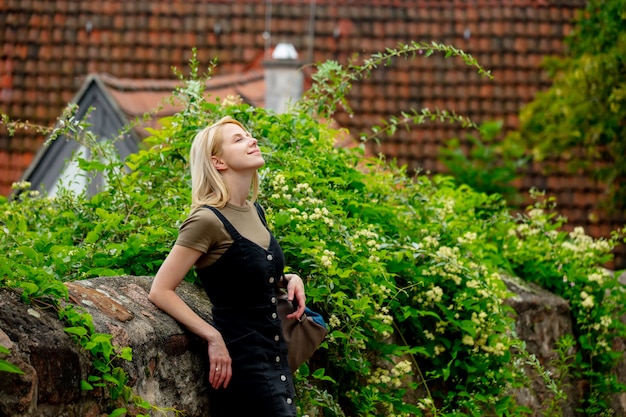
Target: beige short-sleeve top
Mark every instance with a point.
(204, 231)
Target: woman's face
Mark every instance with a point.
(240, 151)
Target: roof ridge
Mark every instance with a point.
(132, 84)
(156, 84)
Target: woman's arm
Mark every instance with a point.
(163, 295)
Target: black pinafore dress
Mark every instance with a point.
(242, 286)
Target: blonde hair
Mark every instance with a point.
(207, 184)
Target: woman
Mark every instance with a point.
(240, 265)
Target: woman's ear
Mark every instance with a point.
(218, 163)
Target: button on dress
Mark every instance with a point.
(242, 286)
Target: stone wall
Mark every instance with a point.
(168, 367)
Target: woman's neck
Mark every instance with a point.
(239, 187)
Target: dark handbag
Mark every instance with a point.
(303, 336)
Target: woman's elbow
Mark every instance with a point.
(153, 296)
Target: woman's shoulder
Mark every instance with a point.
(203, 217)
(202, 230)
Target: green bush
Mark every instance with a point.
(407, 271)
(580, 118)
(490, 164)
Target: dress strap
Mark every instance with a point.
(231, 229)
(261, 212)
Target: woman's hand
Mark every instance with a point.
(220, 370)
(295, 290)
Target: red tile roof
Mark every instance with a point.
(48, 48)
(135, 96)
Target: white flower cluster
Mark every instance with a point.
(538, 215)
(368, 234)
(278, 184)
(571, 247)
(402, 368)
(447, 252)
(605, 322)
(304, 188)
(327, 258)
(334, 321)
(604, 333)
(391, 377)
(584, 245)
(25, 187)
(602, 346)
(425, 403)
(524, 229)
(280, 187)
(321, 214)
(468, 340)
(373, 259)
(372, 243)
(479, 318)
(499, 349)
(448, 265)
(231, 100)
(441, 326)
(480, 288)
(467, 238)
(599, 276)
(318, 213)
(447, 208)
(21, 185)
(384, 318)
(587, 300)
(430, 242)
(358, 343)
(481, 339)
(383, 289)
(434, 295)
(308, 201)
(552, 234)
(472, 283)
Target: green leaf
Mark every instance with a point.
(78, 331)
(92, 237)
(118, 412)
(85, 386)
(104, 272)
(126, 354)
(9, 367)
(111, 379)
(320, 374)
(29, 289)
(29, 252)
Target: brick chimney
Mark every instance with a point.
(283, 78)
